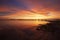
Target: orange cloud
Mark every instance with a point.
(34, 7)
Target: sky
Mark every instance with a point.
(16, 8)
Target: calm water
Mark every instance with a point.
(24, 24)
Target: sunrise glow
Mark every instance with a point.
(34, 16)
(30, 15)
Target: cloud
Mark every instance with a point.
(36, 5)
(50, 4)
(5, 13)
(13, 3)
(28, 4)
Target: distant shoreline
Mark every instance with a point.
(28, 19)
(24, 19)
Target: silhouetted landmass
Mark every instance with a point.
(53, 29)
